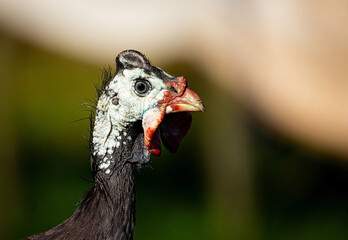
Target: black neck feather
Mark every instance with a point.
(108, 209)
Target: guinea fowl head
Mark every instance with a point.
(137, 108)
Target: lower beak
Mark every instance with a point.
(188, 102)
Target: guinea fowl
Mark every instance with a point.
(140, 106)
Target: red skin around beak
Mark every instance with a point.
(179, 98)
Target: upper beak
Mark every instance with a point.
(188, 102)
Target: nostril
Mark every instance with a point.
(172, 89)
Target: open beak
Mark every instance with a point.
(158, 122)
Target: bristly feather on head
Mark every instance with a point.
(105, 78)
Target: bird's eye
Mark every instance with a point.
(142, 87)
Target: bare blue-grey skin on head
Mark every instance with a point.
(137, 108)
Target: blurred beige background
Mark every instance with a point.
(291, 54)
(279, 67)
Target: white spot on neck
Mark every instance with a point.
(105, 133)
(104, 165)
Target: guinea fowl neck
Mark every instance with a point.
(108, 209)
(113, 195)
(112, 201)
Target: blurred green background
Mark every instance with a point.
(266, 161)
(232, 178)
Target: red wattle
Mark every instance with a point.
(151, 119)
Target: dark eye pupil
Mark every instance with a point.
(142, 87)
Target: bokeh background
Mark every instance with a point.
(267, 160)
